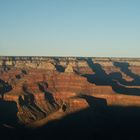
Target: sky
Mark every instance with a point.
(98, 28)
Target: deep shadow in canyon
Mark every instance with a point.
(98, 121)
(4, 88)
(8, 113)
(115, 80)
(124, 67)
(60, 68)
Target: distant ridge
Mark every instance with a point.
(66, 57)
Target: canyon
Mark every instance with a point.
(37, 92)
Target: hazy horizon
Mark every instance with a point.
(89, 28)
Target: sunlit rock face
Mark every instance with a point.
(43, 89)
(69, 69)
(46, 66)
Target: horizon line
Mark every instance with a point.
(129, 57)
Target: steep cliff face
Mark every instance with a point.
(109, 67)
(36, 98)
(32, 107)
(51, 88)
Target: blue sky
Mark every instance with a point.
(70, 27)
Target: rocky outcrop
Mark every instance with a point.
(69, 69)
(35, 65)
(119, 100)
(46, 66)
(45, 89)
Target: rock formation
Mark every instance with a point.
(69, 69)
(42, 92)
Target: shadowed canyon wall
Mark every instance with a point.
(36, 91)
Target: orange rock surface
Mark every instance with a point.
(40, 88)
